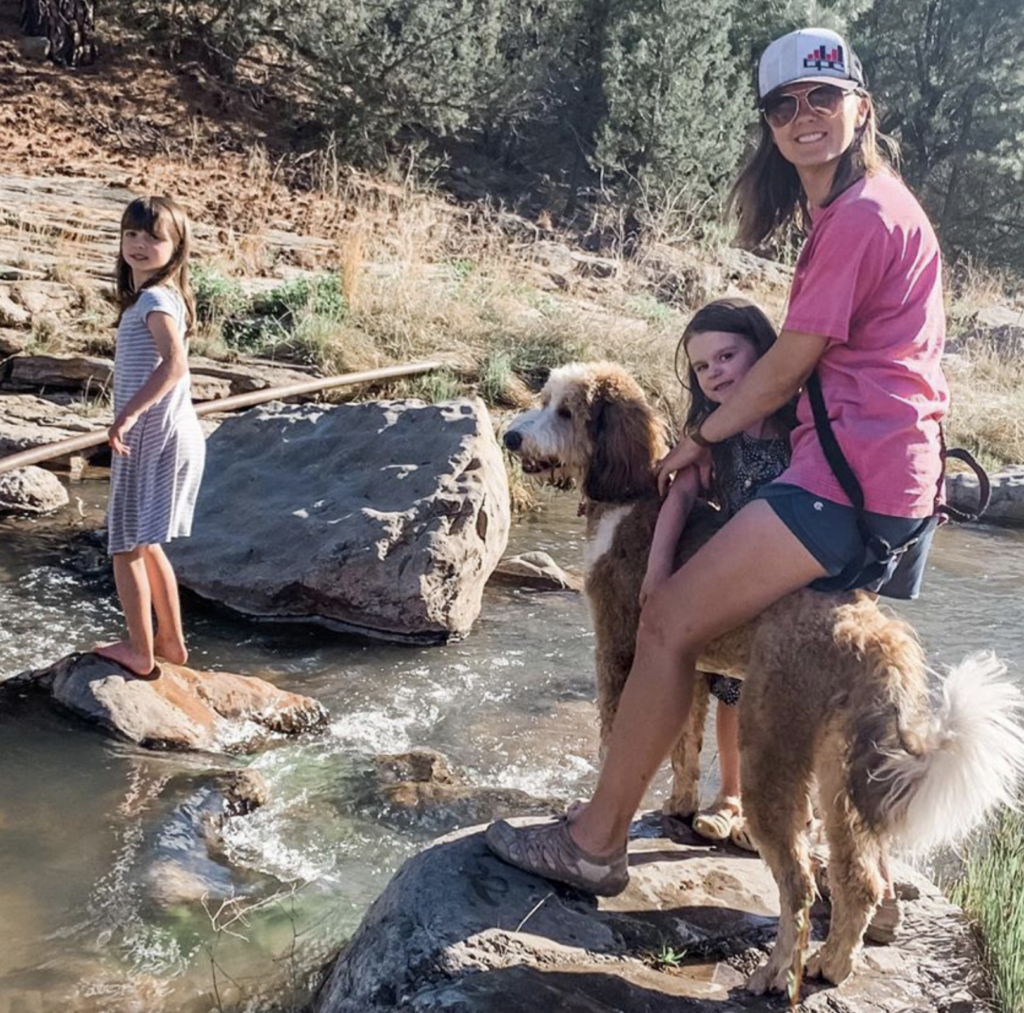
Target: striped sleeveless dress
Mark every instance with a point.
(153, 490)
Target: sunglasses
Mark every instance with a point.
(781, 110)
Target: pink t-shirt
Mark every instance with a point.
(869, 278)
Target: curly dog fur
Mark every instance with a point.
(836, 691)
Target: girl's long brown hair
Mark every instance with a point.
(150, 214)
(767, 195)
(733, 316)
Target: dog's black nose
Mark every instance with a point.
(513, 440)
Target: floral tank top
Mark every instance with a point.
(745, 463)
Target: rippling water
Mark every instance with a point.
(94, 834)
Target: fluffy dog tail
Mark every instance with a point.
(969, 759)
(928, 760)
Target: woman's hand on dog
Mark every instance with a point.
(685, 454)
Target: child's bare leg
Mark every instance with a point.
(132, 579)
(727, 731)
(169, 642)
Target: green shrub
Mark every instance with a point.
(218, 298)
(296, 313)
(320, 294)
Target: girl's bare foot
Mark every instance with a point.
(170, 649)
(122, 652)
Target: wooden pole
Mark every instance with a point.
(23, 458)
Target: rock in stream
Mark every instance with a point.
(458, 930)
(181, 709)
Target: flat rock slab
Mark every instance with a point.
(383, 518)
(28, 421)
(69, 372)
(181, 709)
(93, 374)
(1007, 503)
(458, 930)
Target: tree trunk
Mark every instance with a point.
(67, 24)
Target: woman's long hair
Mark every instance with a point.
(162, 218)
(767, 196)
(734, 316)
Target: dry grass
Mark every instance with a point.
(422, 277)
(987, 413)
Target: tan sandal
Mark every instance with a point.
(548, 850)
(717, 821)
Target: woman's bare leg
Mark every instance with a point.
(169, 642)
(751, 563)
(132, 579)
(727, 732)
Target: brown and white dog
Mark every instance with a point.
(835, 690)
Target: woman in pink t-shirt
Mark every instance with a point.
(866, 314)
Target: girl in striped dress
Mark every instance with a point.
(158, 446)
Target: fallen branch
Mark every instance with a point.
(23, 458)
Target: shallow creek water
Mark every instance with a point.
(88, 825)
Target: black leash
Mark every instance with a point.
(984, 487)
(877, 551)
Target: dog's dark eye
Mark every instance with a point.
(564, 413)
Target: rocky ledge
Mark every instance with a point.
(179, 709)
(458, 930)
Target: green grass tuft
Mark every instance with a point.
(990, 891)
(440, 385)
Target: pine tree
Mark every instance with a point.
(68, 25)
(949, 75)
(677, 101)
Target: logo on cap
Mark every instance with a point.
(821, 58)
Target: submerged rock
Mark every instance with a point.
(383, 518)
(536, 570)
(458, 930)
(188, 863)
(420, 790)
(180, 709)
(31, 490)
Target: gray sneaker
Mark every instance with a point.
(548, 850)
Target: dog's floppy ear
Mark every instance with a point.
(623, 435)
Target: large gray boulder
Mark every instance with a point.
(384, 518)
(458, 930)
(180, 709)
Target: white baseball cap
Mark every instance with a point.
(810, 54)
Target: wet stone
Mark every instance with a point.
(179, 709)
(458, 930)
(420, 790)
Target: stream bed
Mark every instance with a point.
(94, 832)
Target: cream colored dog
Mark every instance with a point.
(835, 689)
